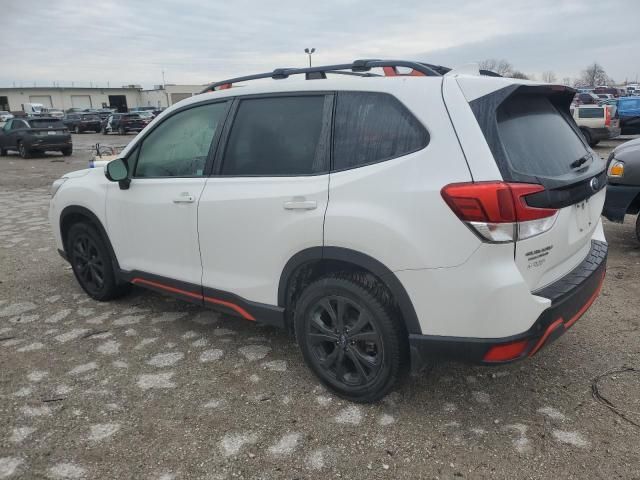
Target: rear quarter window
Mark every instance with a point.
(373, 127)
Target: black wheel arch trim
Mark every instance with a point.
(358, 259)
(85, 212)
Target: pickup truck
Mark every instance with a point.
(623, 190)
(596, 122)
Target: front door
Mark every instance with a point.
(267, 199)
(153, 224)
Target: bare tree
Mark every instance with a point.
(501, 67)
(519, 74)
(566, 81)
(549, 77)
(594, 75)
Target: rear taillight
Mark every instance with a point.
(498, 211)
(607, 116)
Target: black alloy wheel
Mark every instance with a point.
(87, 263)
(351, 336)
(344, 341)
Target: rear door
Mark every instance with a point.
(267, 199)
(533, 139)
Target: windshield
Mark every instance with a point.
(131, 116)
(537, 138)
(90, 117)
(46, 123)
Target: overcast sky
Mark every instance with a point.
(198, 41)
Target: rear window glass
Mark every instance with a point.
(373, 127)
(537, 138)
(591, 112)
(91, 116)
(46, 123)
(131, 116)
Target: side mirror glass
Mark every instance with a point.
(117, 171)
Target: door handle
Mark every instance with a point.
(184, 197)
(300, 205)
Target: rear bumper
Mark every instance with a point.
(571, 297)
(619, 197)
(48, 143)
(604, 133)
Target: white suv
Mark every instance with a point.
(382, 219)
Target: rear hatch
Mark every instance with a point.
(534, 140)
(47, 127)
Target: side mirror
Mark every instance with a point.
(117, 171)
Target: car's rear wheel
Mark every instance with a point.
(350, 338)
(586, 135)
(67, 151)
(92, 264)
(23, 150)
(3, 152)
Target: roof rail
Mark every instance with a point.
(359, 68)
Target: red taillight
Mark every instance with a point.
(506, 351)
(498, 210)
(607, 116)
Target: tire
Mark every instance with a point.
(76, 129)
(638, 227)
(3, 152)
(92, 264)
(67, 151)
(23, 150)
(594, 143)
(586, 135)
(122, 131)
(359, 357)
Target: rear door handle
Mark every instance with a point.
(184, 197)
(300, 205)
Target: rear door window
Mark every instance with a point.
(538, 140)
(372, 127)
(279, 136)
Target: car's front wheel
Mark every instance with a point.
(23, 150)
(350, 338)
(3, 152)
(92, 264)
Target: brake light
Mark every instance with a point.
(607, 116)
(498, 211)
(506, 351)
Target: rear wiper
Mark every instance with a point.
(581, 161)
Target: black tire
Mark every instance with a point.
(23, 150)
(638, 227)
(122, 131)
(586, 135)
(350, 338)
(67, 151)
(594, 143)
(91, 263)
(76, 129)
(3, 152)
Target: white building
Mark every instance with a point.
(123, 98)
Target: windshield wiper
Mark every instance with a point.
(581, 161)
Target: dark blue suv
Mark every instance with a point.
(629, 114)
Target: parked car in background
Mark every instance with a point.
(604, 96)
(37, 134)
(4, 115)
(146, 114)
(53, 112)
(123, 123)
(629, 113)
(81, 122)
(614, 92)
(623, 191)
(596, 122)
(586, 99)
(324, 208)
(104, 113)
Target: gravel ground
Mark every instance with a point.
(149, 387)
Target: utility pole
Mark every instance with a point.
(164, 87)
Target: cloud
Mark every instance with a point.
(120, 41)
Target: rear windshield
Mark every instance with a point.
(91, 116)
(537, 138)
(46, 123)
(591, 112)
(131, 116)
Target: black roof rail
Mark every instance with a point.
(358, 68)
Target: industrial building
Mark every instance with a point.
(123, 98)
